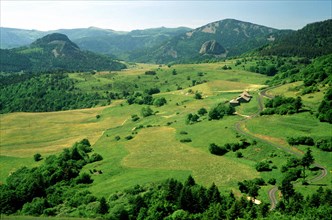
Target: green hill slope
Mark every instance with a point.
(311, 41)
(54, 52)
(235, 36)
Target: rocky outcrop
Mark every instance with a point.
(212, 47)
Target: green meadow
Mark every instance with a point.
(155, 151)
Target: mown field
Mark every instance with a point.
(155, 151)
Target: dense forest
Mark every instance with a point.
(311, 41)
(44, 93)
(57, 187)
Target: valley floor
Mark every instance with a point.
(156, 151)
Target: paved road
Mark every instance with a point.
(239, 127)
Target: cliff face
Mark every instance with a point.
(212, 47)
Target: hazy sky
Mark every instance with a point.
(129, 15)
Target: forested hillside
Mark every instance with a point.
(53, 53)
(235, 36)
(311, 41)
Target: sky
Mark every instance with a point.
(131, 15)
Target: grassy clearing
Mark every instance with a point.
(311, 100)
(24, 134)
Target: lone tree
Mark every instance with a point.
(306, 161)
(286, 189)
(103, 206)
(146, 111)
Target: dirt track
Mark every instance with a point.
(240, 127)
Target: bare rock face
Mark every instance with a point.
(212, 47)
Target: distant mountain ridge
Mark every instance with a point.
(114, 43)
(224, 38)
(54, 52)
(235, 36)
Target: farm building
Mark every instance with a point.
(243, 97)
(234, 102)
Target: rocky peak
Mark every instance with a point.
(58, 44)
(212, 47)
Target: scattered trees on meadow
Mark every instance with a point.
(281, 105)
(221, 150)
(324, 144)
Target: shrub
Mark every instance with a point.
(293, 174)
(301, 140)
(272, 181)
(185, 140)
(150, 72)
(263, 166)
(202, 111)
(293, 162)
(35, 207)
(146, 111)
(129, 137)
(134, 118)
(84, 178)
(152, 91)
(239, 154)
(97, 116)
(37, 157)
(198, 95)
(117, 138)
(95, 157)
(159, 102)
(259, 181)
(192, 118)
(215, 149)
(325, 144)
(183, 132)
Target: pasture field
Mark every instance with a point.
(303, 124)
(311, 100)
(154, 151)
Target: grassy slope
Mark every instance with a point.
(278, 128)
(154, 153)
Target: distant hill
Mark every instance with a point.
(311, 41)
(105, 41)
(54, 52)
(13, 37)
(235, 36)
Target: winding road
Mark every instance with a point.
(240, 127)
